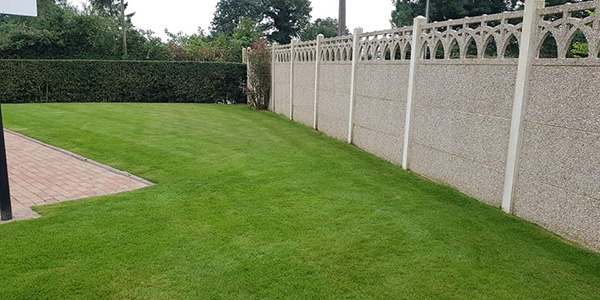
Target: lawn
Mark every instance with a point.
(249, 205)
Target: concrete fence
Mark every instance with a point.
(451, 101)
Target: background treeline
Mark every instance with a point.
(63, 31)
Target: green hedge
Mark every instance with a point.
(26, 81)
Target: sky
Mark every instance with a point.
(187, 15)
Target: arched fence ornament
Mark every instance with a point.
(564, 22)
(385, 45)
(337, 49)
(479, 31)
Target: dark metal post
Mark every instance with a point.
(5, 205)
(342, 18)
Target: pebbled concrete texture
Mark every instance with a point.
(565, 96)
(380, 115)
(334, 99)
(474, 88)
(381, 144)
(333, 127)
(304, 92)
(304, 115)
(481, 138)
(282, 88)
(472, 178)
(380, 108)
(559, 174)
(572, 215)
(382, 81)
(462, 120)
(335, 76)
(379, 127)
(561, 157)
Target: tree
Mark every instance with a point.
(327, 27)
(109, 7)
(214, 47)
(63, 32)
(285, 19)
(280, 20)
(247, 32)
(229, 12)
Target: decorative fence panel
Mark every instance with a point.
(281, 75)
(304, 73)
(334, 92)
(503, 107)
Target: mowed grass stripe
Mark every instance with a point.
(249, 205)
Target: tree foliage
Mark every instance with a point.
(229, 13)
(63, 32)
(280, 20)
(327, 27)
(259, 76)
(109, 7)
(285, 19)
(215, 47)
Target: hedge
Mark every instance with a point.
(26, 81)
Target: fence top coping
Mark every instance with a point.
(570, 7)
(338, 39)
(398, 30)
(474, 20)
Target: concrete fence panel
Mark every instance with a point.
(559, 175)
(461, 126)
(304, 92)
(281, 78)
(334, 93)
(380, 109)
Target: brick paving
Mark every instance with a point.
(40, 175)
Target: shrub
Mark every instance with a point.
(259, 76)
(23, 81)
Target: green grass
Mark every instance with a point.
(249, 205)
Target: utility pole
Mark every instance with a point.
(342, 18)
(124, 28)
(427, 11)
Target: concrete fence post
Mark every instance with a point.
(320, 38)
(273, 61)
(415, 57)
(292, 61)
(526, 55)
(355, 59)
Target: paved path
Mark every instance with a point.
(40, 174)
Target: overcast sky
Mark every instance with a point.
(187, 15)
